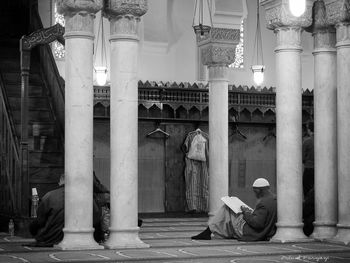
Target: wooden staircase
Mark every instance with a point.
(46, 155)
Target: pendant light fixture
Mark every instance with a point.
(297, 7)
(202, 21)
(258, 59)
(101, 68)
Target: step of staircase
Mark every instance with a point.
(14, 90)
(34, 103)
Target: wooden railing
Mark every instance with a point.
(53, 81)
(197, 95)
(10, 181)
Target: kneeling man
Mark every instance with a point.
(256, 225)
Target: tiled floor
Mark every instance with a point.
(169, 240)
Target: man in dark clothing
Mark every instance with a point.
(308, 160)
(47, 228)
(249, 225)
(309, 212)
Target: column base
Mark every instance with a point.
(125, 238)
(343, 235)
(324, 230)
(290, 233)
(78, 240)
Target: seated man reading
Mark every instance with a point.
(256, 225)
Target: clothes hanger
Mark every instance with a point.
(236, 130)
(270, 133)
(167, 135)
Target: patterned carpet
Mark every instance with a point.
(169, 240)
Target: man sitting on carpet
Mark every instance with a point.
(47, 228)
(249, 225)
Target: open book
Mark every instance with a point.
(234, 203)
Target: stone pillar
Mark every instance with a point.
(124, 16)
(217, 52)
(288, 116)
(338, 13)
(325, 124)
(79, 36)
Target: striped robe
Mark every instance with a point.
(196, 177)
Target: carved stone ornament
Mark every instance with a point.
(338, 11)
(77, 6)
(125, 7)
(219, 46)
(221, 34)
(279, 15)
(216, 54)
(319, 17)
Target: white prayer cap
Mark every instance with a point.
(261, 182)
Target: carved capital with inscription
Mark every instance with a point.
(338, 11)
(219, 46)
(79, 15)
(279, 15)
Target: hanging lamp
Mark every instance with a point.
(202, 22)
(297, 7)
(101, 69)
(258, 59)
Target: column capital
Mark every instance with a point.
(279, 15)
(219, 46)
(115, 8)
(79, 16)
(320, 20)
(322, 30)
(72, 7)
(125, 17)
(338, 11)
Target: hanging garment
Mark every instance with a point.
(196, 171)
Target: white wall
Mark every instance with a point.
(168, 46)
(244, 76)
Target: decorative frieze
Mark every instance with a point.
(279, 15)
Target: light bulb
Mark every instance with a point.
(258, 74)
(101, 75)
(297, 7)
(258, 78)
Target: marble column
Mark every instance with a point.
(217, 52)
(79, 36)
(325, 124)
(124, 16)
(339, 14)
(288, 31)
